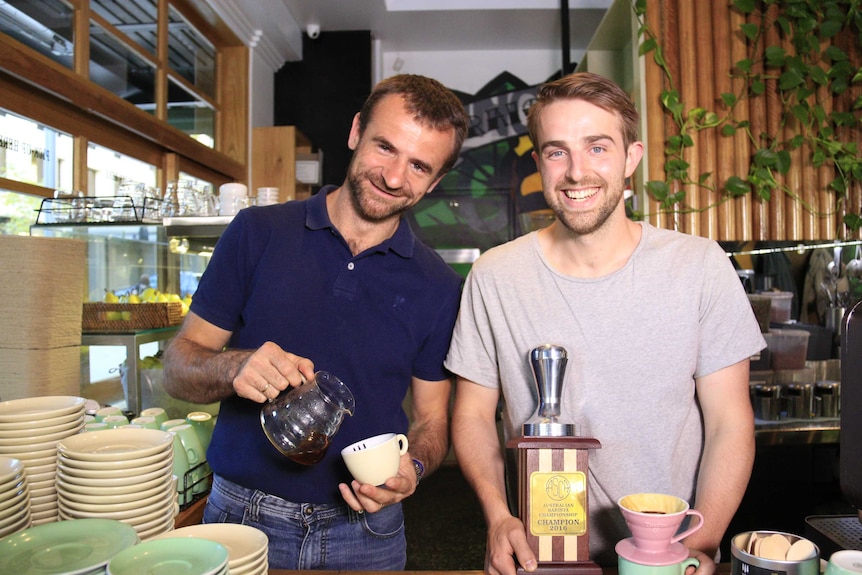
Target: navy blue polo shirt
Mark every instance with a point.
(283, 273)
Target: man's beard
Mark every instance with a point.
(364, 202)
(582, 223)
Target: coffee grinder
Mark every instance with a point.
(552, 475)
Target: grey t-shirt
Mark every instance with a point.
(636, 340)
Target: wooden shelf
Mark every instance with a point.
(273, 161)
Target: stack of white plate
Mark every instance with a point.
(247, 546)
(30, 429)
(14, 496)
(81, 547)
(180, 556)
(124, 474)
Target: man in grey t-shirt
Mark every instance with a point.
(657, 327)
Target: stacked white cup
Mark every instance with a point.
(227, 195)
(267, 196)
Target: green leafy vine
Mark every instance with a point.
(798, 74)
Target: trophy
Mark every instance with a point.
(552, 475)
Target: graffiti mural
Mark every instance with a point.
(484, 200)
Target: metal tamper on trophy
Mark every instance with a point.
(552, 475)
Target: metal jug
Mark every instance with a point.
(302, 420)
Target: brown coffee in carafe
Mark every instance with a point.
(311, 449)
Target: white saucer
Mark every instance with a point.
(675, 553)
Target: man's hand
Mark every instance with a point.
(506, 539)
(707, 565)
(371, 498)
(268, 371)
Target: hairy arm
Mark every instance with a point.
(480, 455)
(728, 453)
(429, 430)
(199, 369)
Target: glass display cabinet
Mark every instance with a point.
(123, 368)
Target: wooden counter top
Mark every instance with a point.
(309, 572)
(723, 569)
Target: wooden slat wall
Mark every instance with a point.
(653, 85)
(701, 41)
(743, 215)
(724, 158)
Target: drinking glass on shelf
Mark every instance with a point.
(170, 203)
(187, 198)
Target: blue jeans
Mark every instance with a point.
(313, 536)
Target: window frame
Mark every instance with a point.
(38, 88)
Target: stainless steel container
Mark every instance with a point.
(744, 563)
(798, 400)
(765, 401)
(827, 398)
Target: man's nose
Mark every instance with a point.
(394, 173)
(577, 166)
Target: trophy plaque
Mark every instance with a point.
(552, 475)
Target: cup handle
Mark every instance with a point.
(690, 562)
(690, 530)
(402, 442)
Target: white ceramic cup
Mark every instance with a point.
(375, 459)
(845, 562)
(226, 195)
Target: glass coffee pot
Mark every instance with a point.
(302, 420)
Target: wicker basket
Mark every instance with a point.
(125, 317)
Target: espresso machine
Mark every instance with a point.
(836, 532)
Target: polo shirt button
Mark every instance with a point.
(351, 265)
(308, 511)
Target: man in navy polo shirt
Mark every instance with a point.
(337, 282)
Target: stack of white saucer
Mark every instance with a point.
(267, 196)
(30, 429)
(247, 546)
(125, 474)
(14, 497)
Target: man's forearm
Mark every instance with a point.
(429, 443)
(723, 478)
(200, 375)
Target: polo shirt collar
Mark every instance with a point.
(317, 218)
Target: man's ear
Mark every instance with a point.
(355, 133)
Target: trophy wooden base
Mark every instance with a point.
(552, 502)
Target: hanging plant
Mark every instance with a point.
(807, 69)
